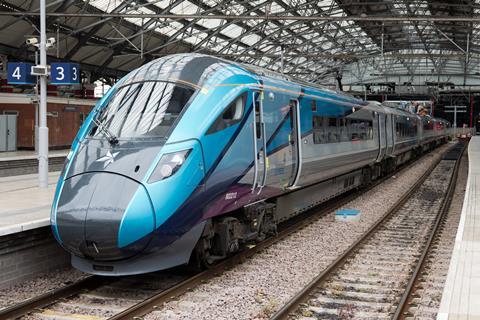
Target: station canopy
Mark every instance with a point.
(317, 41)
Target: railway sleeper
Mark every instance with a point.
(358, 287)
(359, 296)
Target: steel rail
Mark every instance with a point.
(48, 298)
(401, 311)
(303, 295)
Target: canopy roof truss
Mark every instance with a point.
(363, 41)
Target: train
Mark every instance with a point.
(189, 158)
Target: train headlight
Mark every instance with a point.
(168, 165)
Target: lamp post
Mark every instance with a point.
(43, 129)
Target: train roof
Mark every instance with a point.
(391, 110)
(194, 68)
(190, 69)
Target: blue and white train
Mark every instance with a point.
(191, 157)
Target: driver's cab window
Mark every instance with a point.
(232, 114)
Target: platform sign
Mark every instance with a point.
(64, 73)
(19, 73)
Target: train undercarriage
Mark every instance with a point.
(227, 234)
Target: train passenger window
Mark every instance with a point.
(230, 116)
(405, 127)
(332, 130)
(318, 130)
(360, 129)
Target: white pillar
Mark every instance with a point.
(43, 129)
(455, 122)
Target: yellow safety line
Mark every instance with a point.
(69, 315)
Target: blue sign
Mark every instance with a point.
(64, 73)
(19, 73)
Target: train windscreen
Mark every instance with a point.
(143, 109)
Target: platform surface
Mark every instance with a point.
(26, 155)
(461, 295)
(23, 205)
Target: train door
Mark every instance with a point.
(389, 130)
(382, 139)
(295, 139)
(260, 161)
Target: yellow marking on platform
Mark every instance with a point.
(69, 315)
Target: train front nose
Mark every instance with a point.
(104, 216)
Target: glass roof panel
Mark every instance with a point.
(301, 38)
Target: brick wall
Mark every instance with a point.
(25, 255)
(63, 127)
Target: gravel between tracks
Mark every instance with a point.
(42, 284)
(258, 287)
(428, 299)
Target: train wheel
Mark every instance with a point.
(201, 258)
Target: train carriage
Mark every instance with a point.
(192, 156)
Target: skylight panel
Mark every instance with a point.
(139, 10)
(162, 4)
(210, 23)
(105, 5)
(196, 38)
(274, 8)
(170, 28)
(251, 39)
(211, 3)
(233, 31)
(186, 7)
(234, 9)
(138, 21)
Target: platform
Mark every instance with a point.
(26, 162)
(28, 155)
(461, 295)
(23, 205)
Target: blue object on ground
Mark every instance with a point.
(347, 212)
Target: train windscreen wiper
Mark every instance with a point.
(111, 138)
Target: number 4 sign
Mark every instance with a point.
(64, 73)
(19, 73)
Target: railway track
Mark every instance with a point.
(113, 298)
(425, 294)
(376, 276)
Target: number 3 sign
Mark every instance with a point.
(64, 73)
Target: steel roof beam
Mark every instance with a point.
(84, 38)
(275, 17)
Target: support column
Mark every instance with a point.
(43, 129)
(471, 111)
